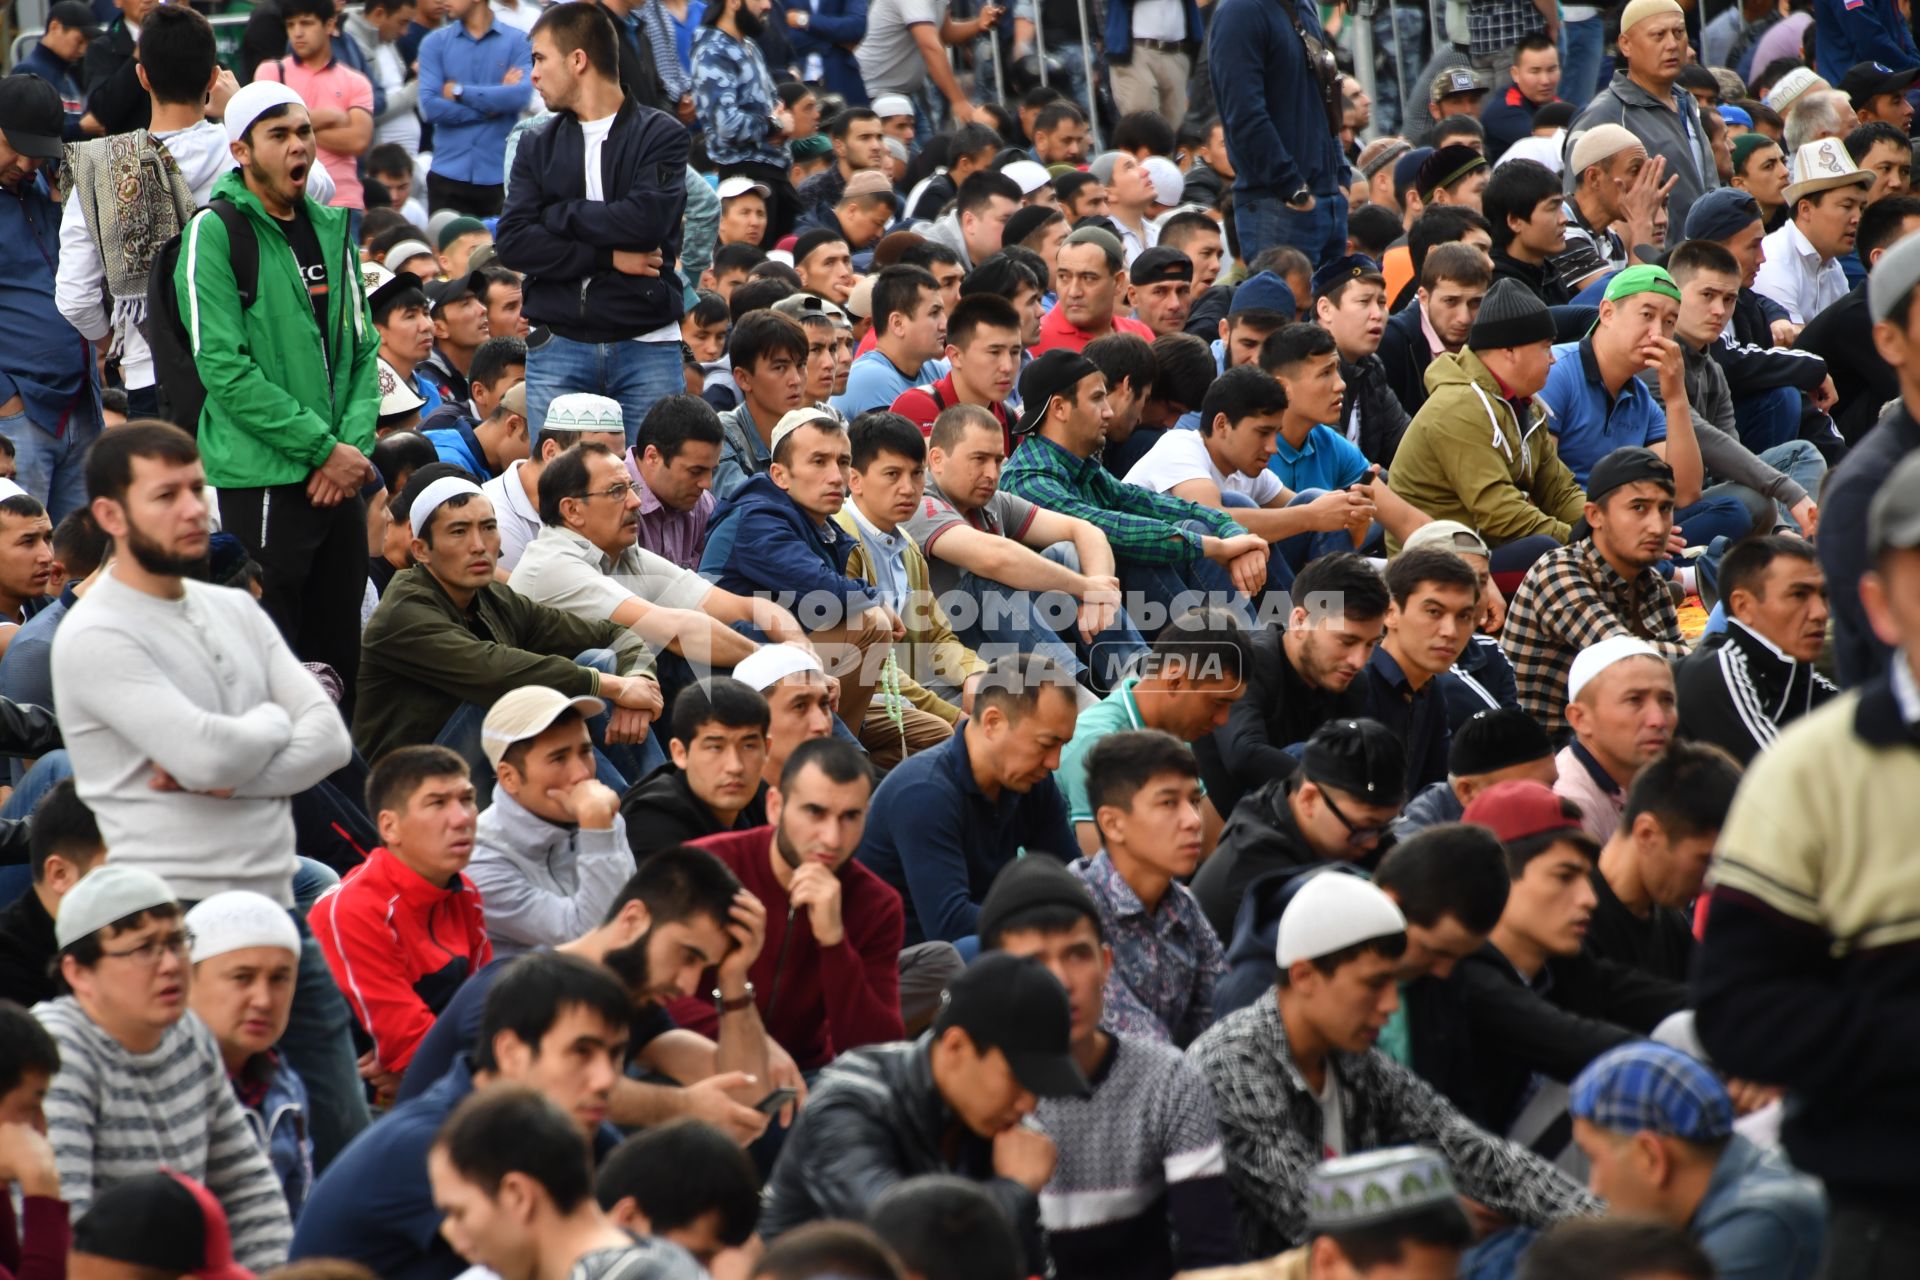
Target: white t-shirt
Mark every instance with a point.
(1180, 456)
(1333, 1115)
(594, 133)
(1159, 20)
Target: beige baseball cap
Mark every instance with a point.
(526, 713)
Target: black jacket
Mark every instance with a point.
(1546, 286)
(1260, 838)
(27, 948)
(564, 243)
(1277, 711)
(1858, 653)
(1405, 354)
(114, 95)
(637, 71)
(662, 811)
(1583, 1008)
(1383, 419)
(1842, 336)
(875, 1120)
(1737, 692)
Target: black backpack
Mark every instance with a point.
(181, 393)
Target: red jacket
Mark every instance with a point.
(399, 947)
(830, 999)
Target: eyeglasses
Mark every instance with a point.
(1355, 834)
(618, 492)
(148, 953)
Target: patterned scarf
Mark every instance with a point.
(135, 199)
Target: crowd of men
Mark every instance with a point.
(858, 641)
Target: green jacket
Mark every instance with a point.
(1465, 457)
(421, 658)
(275, 408)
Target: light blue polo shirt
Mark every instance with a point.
(1325, 460)
(1587, 422)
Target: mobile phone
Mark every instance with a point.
(774, 1101)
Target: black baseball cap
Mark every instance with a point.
(75, 16)
(1627, 466)
(1052, 374)
(1359, 757)
(1866, 81)
(441, 292)
(1159, 265)
(32, 117)
(1035, 880)
(1014, 1005)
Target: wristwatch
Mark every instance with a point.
(806, 19)
(1303, 193)
(458, 89)
(735, 1005)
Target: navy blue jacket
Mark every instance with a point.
(831, 31)
(62, 75)
(564, 243)
(1276, 129)
(1858, 654)
(759, 541)
(1850, 31)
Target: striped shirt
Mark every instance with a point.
(113, 1114)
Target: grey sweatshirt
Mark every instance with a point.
(1721, 452)
(113, 1114)
(204, 687)
(544, 884)
(1671, 130)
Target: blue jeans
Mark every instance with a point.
(318, 1044)
(1008, 617)
(618, 765)
(1157, 592)
(1582, 48)
(1266, 221)
(48, 466)
(35, 783)
(1396, 64)
(1767, 419)
(1300, 549)
(637, 374)
(1716, 515)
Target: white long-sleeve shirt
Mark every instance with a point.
(1797, 277)
(204, 687)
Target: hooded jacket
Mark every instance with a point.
(759, 541)
(661, 811)
(563, 243)
(1671, 129)
(1405, 354)
(399, 946)
(1370, 398)
(280, 1124)
(1260, 838)
(946, 230)
(875, 1119)
(543, 883)
(280, 394)
(1467, 457)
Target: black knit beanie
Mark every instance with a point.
(1511, 316)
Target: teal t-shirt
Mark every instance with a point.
(1112, 714)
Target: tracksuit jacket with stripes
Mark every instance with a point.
(1738, 691)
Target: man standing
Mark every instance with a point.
(291, 396)
(1800, 268)
(1645, 98)
(1273, 76)
(746, 127)
(339, 99)
(56, 58)
(49, 396)
(474, 83)
(906, 47)
(598, 199)
(858, 145)
(190, 724)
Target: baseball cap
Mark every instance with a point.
(112, 892)
(1595, 658)
(1332, 911)
(1159, 265)
(1446, 535)
(237, 919)
(75, 16)
(1014, 1005)
(163, 1221)
(1894, 277)
(1377, 1188)
(1517, 809)
(1053, 373)
(1496, 738)
(442, 292)
(865, 183)
(1359, 757)
(1723, 213)
(794, 419)
(739, 186)
(860, 301)
(1734, 116)
(1893, 517)
(1265, 292)
(1865, 81)
(485, 255)
(31, 117)
(584, 411)
(1035, 880)
(525, 713)
(404, 252)
(771, 663)
(799, 305)
(1822, 165)
(1641, 278)
(1647, 1087)
(1624, 466)
(1454, 80)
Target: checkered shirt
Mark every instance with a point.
(1496, 25)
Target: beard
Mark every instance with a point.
(629, 964)
(784, 847)
(162, 563)
(750, 23)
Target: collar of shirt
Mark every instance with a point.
(1108, 885)
(893, 544)
(1595, 770)
(1797, 244)
(1434, 345)
(515, 493)
(1125, 697)
(648, 503)
(462, 33)
(1906, 690)
(1057, 457)
(1604, 576)
(1761, 640)
(1287, 453)
(1387, 669)
(577, 546)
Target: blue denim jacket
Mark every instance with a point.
(1760, 1219)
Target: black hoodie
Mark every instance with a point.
(662, 811)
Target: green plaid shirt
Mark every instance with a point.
(1142, 525)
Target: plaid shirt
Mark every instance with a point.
(1142, 525)
(1272, 1128)
(1167, 960)
(1570, 599)
(1494, 25)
